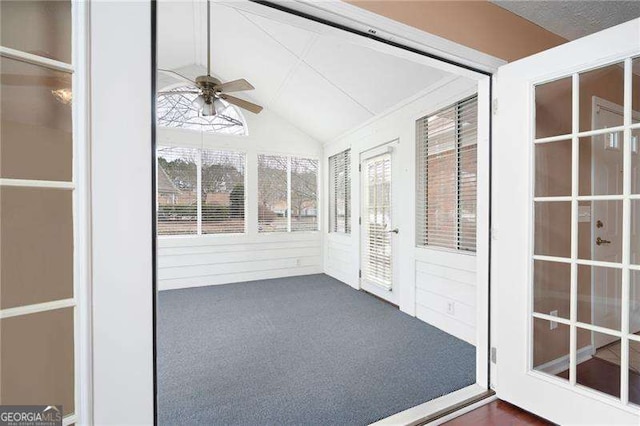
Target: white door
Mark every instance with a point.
(545, 251)
(377, 228)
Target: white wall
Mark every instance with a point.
(192, 261)
(121, 209)
(426, 280)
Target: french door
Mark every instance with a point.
(377, 227)
(566, 239)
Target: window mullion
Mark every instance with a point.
(288, 209)
(199, 191)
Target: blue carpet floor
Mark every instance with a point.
(297, 351)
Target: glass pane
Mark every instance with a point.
(553, 228)
(605, 83)
(35, 114)
(36, 234)
(550, 344)
(553, 169)
(600, 372)
(222, 192)
(600, 296)
(601, 164)
(39, 27)
(272, 193)
(634, 303)
(552, 288)
(304, 194)
(634, 372)
(635, 232)
(177, 191)
(635, 161)
(36, 359)
(600, 230)
(553, 108)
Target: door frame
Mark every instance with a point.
(384, 148)
(513, 217)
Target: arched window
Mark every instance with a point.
(180, 111)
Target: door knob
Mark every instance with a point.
(600, 241)
(395, 230)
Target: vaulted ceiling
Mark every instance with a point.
(322, 84)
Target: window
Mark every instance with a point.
(180, 110)
(287, 194)
(200, 191)
(340, 192)
(446, 155)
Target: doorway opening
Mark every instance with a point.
(272, 130)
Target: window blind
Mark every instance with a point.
(177, 191)
(222, 192)
(446, 156)
(339, 192)
(273, 171)
(304, 194)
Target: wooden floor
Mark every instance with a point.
(498, 413)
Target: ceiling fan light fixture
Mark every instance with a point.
(208, 110)
(219, 106)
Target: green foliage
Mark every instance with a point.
(237, 201)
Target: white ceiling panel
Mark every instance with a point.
(314, 105)
(376, 80)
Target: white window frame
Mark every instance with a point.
(289, 156)
(424, 167)
(199, 233)
(331, 203)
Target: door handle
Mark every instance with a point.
(395, 231)
(600, 241)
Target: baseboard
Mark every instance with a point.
(561, 364)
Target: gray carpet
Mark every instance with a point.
(297, 351)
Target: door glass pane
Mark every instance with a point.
(35, 133)
(553, 108)
(553, 169)
(635, 161)
(553, 228)
(635, 103)
(552, 288)
(601, 371)
(606, 83)
(601, 164)
(377, 220)
(635, 232)
(634, 303)
(36, 359)
(634, 372)
(550, 344)
(600, 296)
(39, 27)
(600, 231)
(36, 236)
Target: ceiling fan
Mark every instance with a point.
(210, 90)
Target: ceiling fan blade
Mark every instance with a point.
(242, 103)
(179, 92)
(234, 86)
(176, 74)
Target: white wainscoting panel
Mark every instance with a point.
(446, 291)
(210, 260)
